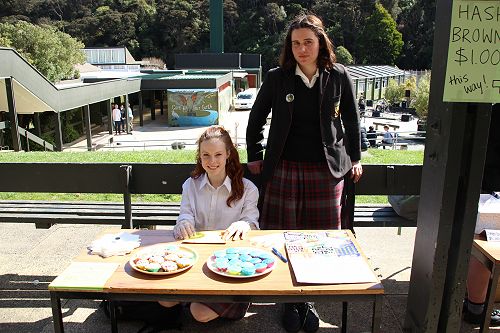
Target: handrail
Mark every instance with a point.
(30, 136)
(64, 98)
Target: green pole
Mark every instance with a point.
(216, 27)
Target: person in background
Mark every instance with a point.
(123, 118)
(117, 120)
(314, 141)
(130, 117)
(217, 197)
(371, 135)
(388, 138)
(361, 103)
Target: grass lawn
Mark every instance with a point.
(372, 156)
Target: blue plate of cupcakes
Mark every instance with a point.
(241, 262)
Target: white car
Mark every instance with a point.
(245, 99)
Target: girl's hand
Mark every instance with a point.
(236, 229)
(184, 229)
(255, 167)
(356, 171)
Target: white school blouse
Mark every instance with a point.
(205, 206)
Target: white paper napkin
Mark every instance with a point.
(114, 244)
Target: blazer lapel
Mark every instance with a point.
(324, 77)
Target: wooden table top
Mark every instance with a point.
(200, 280)
(490, 249)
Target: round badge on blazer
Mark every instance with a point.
(290, 98)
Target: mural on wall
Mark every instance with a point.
(192, 107)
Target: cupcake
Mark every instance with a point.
(234, 270)
(153, 267)
(183, 262)
(169, 266)
(247, 271)
(171, 257)
(260, 267)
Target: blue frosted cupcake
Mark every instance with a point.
(247, 271)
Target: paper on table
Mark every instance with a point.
(209, 237)
(84, 275)
(328, 260)
(268, 241)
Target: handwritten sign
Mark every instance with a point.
(492, 235)
(473, 67)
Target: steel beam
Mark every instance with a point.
(216, 26)
(153, 110)
(109, 111)
(88, 130)
(58, 133)
(451, 180)
(127, 124)
(11, 107)
(141, 110)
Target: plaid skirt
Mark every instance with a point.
(302, 195)
(231, 311)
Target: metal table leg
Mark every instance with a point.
(344, 317)
(377, 313)
(112, 316)
(55, 301)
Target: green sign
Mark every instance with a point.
(473, 67)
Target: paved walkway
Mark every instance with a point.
(157, 135)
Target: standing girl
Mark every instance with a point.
(314, 140)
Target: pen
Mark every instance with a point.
(279, 255)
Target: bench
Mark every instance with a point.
(394, 127)
(144, 178)
(394, 145)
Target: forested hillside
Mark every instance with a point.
(373, 32)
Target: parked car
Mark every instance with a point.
(245, 99)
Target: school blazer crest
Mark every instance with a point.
(339, 118)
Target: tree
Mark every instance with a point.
(380, 43)
(49, 50)
(344, 57)
(417, 26)
(394, 92)
(421, 103)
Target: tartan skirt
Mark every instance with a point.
(302, 195)
(231, 311)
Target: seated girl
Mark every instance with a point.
(217, 197)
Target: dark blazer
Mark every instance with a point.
(339, 119)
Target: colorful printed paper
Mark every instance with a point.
(326, 258)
